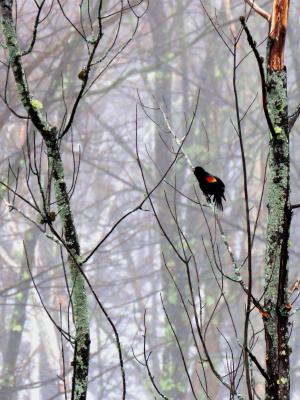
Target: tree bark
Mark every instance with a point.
(279, 214)
(55, 164)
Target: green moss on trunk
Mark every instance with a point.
(79, 296)
(49, 134)
(279, 217)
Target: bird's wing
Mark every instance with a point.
(210, 179)
(222, 183)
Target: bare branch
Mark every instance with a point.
(13, 208)
(259, 10)
(146, 360)
(293, 118)
(295, 206)
(259, 60)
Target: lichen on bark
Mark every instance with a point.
(56, 168)
(279, 215)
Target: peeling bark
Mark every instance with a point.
(277, 34)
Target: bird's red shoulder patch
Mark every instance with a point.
(211, 179)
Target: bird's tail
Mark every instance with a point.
(218, 202)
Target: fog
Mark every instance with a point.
(163, 70)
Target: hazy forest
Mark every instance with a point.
(119, 278)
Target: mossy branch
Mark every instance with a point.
(50, 135)
(32, 106)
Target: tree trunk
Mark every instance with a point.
(13, 346)
(279, 214)
(55, 164)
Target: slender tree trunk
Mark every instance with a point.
(50, 136)
(16, 327)
(279, 213)
(79, 297)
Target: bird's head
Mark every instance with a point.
(199, 171)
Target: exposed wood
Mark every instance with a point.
(259, 10)
(277, 34)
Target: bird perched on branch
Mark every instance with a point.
(211, 186)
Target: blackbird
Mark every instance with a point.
(211, 186)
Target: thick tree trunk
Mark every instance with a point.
(279, 218)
